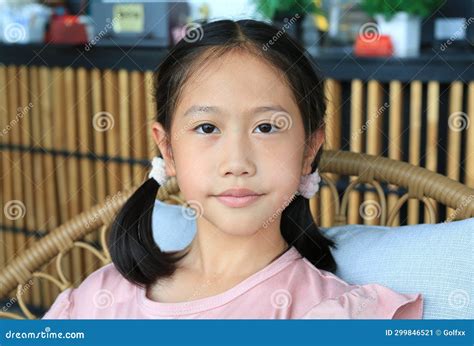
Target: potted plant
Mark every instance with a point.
(289, 14)
(401, 20)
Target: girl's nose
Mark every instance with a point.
(237, 155)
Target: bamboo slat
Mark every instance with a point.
(356, 143)
(112, 130)
(416, 93)
(39, 169)
(139, 124)
(151, 112)
(124, 114)
(395, 133)
(469, 177)
(432, 136)
(71, 120)
(456, 124)
(27, 175)
(51, 201)
(374, 147)
(98, 136)
(333, 141)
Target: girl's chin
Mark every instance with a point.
(241, 227)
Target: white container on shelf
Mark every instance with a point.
(404, 30)
(23, 24)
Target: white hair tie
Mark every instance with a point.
(158, 171)
(309, 184)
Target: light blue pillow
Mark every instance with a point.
(172, 229)
(435, 260)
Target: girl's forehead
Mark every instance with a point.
(236, 78)
(239, 66)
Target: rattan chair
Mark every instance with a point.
(420, 183)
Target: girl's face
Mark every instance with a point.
(237, 125)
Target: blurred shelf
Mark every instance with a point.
(430, 65)
(334, 63)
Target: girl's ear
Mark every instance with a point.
(311, 149)
(161, 139)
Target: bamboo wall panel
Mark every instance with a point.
(82, 158)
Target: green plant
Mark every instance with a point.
(389, 8)
(273, 8)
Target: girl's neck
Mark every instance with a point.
(213, 253)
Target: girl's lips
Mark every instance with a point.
(237, 202)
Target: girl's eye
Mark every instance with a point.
(207, 128)
(267, 127)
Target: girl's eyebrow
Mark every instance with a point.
(201, 109)
(213, 109)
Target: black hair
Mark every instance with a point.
(132, 247)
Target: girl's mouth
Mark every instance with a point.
(237, 202)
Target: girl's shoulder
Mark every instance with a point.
(99, 290)
(103, 280)
(332, 297)
(105, 276)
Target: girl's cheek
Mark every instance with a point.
(193, 178)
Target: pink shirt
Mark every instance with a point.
(288, 288)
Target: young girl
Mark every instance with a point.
(240, 125)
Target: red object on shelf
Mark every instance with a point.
(373, 45)
(66, 29)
